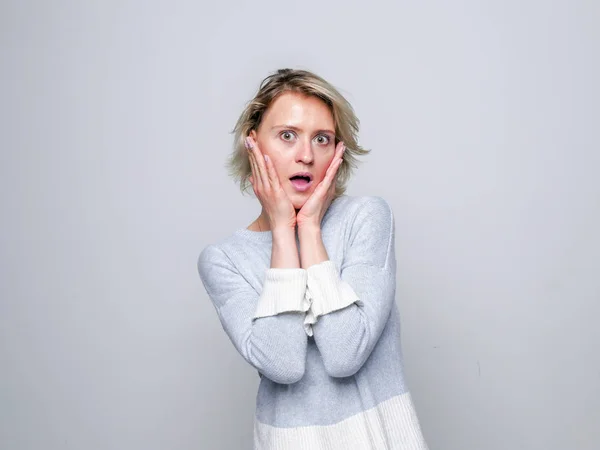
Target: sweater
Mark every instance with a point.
(325, 340)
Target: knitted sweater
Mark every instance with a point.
(325, 340)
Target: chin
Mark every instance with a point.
(298, 199)
(298, 204)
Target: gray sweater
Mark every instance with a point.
(324, 340)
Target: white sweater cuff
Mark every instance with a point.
(327, 290)
(284, 290)
(309, 318)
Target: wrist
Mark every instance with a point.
(284, 251)
(283, 232)
(309, 228)
(283, 226)
(309, 237)
(312, 249)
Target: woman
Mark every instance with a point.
(306, 293)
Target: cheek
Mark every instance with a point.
(272, 146)
(323, 169)
(279, 166)
(267, 150)
(267, 147)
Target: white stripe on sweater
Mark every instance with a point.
(391, 425)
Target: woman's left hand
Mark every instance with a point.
(311, 214)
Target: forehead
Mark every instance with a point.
(306, 112)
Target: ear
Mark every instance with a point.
(253, 135)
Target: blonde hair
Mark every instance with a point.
(307, 83)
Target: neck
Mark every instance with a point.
(262, 223)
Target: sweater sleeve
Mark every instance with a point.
(266, 328)
(350, 307)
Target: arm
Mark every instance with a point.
(284, 252)
(351, 309)
(266, 328)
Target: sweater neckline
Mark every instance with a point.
(262, 236)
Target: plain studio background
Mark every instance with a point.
(483, 119)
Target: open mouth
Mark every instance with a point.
(301, 181)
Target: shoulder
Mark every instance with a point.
(221, 249)
(216, 254)
(209, 257)
(218, 272)
(369, 208)
(375, 204)
(226, 253)
(369, 232)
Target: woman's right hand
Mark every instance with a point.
(267, 187)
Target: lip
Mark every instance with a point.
(303, 174)
(304, 187)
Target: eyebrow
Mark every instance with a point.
(292, 127)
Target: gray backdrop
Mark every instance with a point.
(483, 118)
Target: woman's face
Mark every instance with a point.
(297, 132)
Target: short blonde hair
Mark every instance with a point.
(307, 83)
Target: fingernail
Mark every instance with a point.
(248, 143)
(266, 158)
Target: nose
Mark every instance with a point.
(305, 153)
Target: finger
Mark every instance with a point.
(323, 187)
(251, 162)
(340, 149)
(260, 163)
(338, 156)
(325, 183)
(333, 184)
(252, 178)
(273, 177)
(328, 180)
(333, 168)
(257, 181)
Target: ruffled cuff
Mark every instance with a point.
(327, 291)
(284, 290)
(309, 318)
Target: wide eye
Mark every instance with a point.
(287, 135)
(323, 139)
